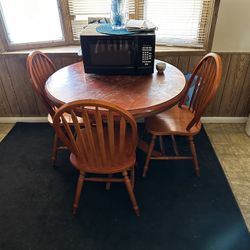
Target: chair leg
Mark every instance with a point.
(194, 155)
(131, 193)
(151, 147)
(132, 177)
(108, 184)
(175, 145)
(78, 192)
(54, 149)
(162, 146)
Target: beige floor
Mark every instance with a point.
(4, 129)
(232, 146)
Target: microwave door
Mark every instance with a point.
(115, 52)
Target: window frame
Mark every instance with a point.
(211, 26)
(67, 32)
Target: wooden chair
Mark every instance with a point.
(40, 68)
(107, 148)
(184, 118)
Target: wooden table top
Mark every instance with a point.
(143, 95)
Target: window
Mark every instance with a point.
(180, 22)
(33, 23)
(30, 21)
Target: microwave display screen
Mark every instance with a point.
(112, 52)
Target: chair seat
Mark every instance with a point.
(121, 160)
(173, 121)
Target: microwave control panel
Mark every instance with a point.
(146, 54)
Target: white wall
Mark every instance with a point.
(232, 31)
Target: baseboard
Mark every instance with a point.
(203, 119)
(224, 119)
(23, 119)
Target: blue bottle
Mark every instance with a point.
(118, 14)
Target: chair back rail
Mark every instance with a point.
(206, 79)
(103, 141)
(40, 68)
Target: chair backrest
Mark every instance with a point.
(104, 138)
(205, 81)
(40, 68)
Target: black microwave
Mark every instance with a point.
(131, 54)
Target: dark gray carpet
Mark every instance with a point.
(178, 210)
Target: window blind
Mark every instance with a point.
(179, 22)
(80, 10)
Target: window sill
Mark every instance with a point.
(74, 49)
(161, 50)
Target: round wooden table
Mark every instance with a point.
(143, 95)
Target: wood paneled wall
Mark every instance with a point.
(17, 97)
